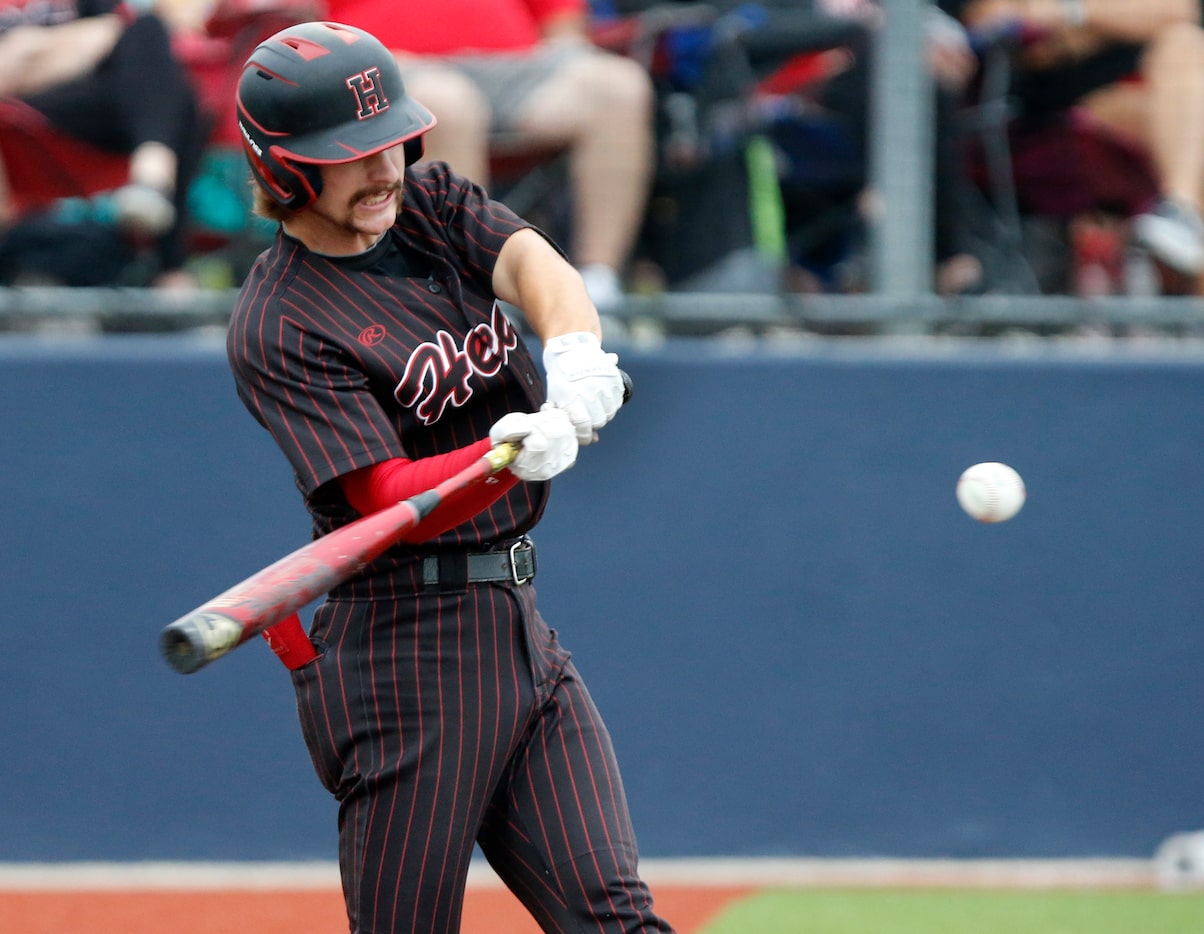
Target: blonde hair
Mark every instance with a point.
(264, 205)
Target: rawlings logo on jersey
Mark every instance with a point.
(438, 372)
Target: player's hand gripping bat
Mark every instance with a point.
(279, 590)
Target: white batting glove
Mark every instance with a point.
(548, 442)
(584, 381)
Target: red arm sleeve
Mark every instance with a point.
(371, 489)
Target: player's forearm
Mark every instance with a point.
(371, 489)
(532, 276)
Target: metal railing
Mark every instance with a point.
(108, 310)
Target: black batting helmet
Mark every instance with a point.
(317, 94)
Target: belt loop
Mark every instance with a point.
(523, 542)
(451, 571)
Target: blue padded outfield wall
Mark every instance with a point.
(802, 645)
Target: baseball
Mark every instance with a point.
(990, 492)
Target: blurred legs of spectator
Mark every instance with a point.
(593, 105)
(138, 101)
(957, 269)
(1119, 78)
(849, 94)
(461, 137)
(144, 206)
(1165, 110)
(8, 212)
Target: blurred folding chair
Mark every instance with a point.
(41, 169)
(44, 165)
(738, 123)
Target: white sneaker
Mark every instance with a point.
(603, 285)
(1174, 233)
(143, 210)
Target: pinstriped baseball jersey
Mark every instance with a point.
(347, 366)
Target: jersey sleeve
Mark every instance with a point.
(445, 207)
(311, 396)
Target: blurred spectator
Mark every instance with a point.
(1138, 68)
(525, 72)
(952, 65)
(798, 73)
(104, 73)
(213, 38)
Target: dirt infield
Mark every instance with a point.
(487, 910)
(304, 898)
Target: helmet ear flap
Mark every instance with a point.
(305, 181)
(293, 185)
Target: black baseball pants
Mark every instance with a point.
(442, 719)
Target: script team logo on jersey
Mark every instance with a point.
(438, 372)
(369, 95)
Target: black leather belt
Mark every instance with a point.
(453, 570)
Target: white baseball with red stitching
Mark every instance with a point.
(991, 492)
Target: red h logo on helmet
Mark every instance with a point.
(368, 94)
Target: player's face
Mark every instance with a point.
(360, 200)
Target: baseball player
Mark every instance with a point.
(441, 710)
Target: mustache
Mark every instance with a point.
(372, 192)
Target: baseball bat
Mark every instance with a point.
(234, 616)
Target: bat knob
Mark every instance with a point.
(628, 387)
(193, 641)
(179, 651)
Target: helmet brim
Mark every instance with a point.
(383, 131)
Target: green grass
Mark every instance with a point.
(885, 911)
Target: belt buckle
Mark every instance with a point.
(523, 542)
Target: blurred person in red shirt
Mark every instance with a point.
(525, 71)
